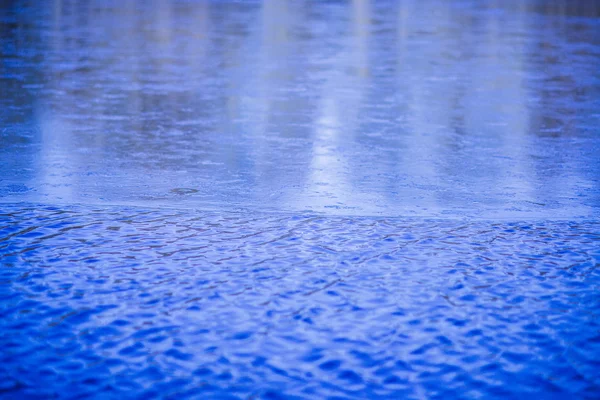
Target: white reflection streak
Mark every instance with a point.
(261, 104)
(516, 140)
(425, 115)
(330, 180)
(501, 73)
(54, 156)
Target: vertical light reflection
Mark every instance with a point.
(330, 182)
(507, 60)
(57, 161)
(427, 84)
(496, 113)
(361, 25)
(271, 75)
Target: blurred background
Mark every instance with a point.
(486, 108)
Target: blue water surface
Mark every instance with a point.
(132, 302)
(362, 199)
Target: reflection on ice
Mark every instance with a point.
(365, 107)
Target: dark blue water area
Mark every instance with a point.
(144, 303)
(366, 199)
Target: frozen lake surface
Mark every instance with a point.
(299, 200)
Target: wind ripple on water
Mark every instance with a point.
(140, 302)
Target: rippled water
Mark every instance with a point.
(300, 199)
(144, 302)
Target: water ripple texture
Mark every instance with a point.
(144, 303)
(243, 199)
